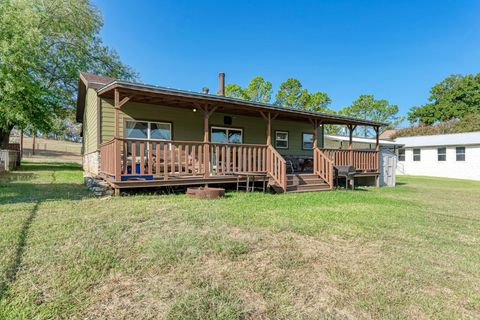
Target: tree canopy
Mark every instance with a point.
(43, 46)
(258, 90)
(290, 94)
(367, 107)
(453, 98)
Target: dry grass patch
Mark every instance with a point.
(407, 252)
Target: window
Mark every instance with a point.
(442, 154)
(460, 153)
(227, 135)
(148, 130)
(281, 139)
(307, 141)
(416, 155)
(401, 154)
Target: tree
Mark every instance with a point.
(292, 94)
(235, 91)
(43, 46)
(367, 107)
(258, 90)
(453, 98)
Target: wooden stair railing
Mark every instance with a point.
(323, 166)
(277, 168)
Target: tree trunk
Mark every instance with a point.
(5, 137)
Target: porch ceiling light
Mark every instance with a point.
(194, 110)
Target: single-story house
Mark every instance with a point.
(444, 155)
(139, 135)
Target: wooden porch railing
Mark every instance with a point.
(365, 160)
(107, 157)
(277, 167)
(161, 158)
(227, 158)
(323, 166)
(167, 158)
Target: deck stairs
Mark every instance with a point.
(305, 182)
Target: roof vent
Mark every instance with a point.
(205, 90)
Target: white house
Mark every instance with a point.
(447, 155)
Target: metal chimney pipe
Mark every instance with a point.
(221, 84)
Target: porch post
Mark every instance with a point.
(269, 129)
(206, 139)
(206, 147)
(116, 136)
(350, 143)
(323, 136)
(315, 144)
(377, 148)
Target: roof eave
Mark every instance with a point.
(268, 107)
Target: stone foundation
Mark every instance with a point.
(91, 164)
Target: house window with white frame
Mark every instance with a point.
(307, 141)
(281, 139)
(442, 154)
(460, 153)
(226, 135)
(417, 155)
(401, 155)
(148, 130)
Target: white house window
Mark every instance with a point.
(281, 139)
(416, 155)
(460, 153)
(227, 135)
(401, 154)
(442, 154)
(148, 130)
(307, 141)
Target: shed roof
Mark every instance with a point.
(362, 140)
(467, 138)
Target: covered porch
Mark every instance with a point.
(132, 162)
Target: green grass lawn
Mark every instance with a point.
(407, 252)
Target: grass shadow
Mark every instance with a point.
(16, 262)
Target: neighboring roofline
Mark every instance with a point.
(439, 135)
(362, 140)
(413, 143)
(442, 145)
(215, 98)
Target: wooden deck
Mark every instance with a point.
(149, 163)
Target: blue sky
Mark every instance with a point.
(395, 50)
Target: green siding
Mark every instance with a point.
(90, 134)
(188, 125)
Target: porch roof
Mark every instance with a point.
(145, 93)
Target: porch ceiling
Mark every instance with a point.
(188, 100)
